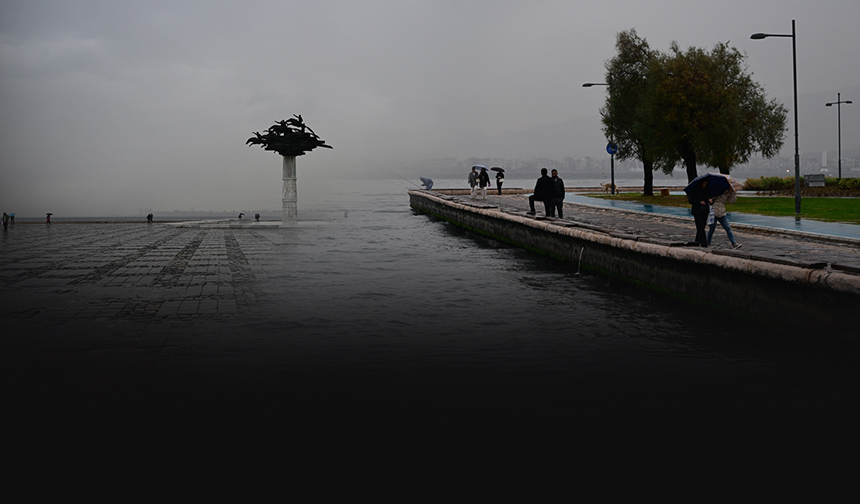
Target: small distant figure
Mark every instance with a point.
(5, 221)
(48, 218)
(558, 194)
(345, 214)
(484, 182)
(257, 217)
(240, 216)
(12, 217)
(149, 218)
(427, 183)
(544, 191)
(473, 182)
(500, 179)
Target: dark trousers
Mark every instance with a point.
(557, 205)
(547, 205)
(700, 215)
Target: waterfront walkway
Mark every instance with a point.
(776, 244)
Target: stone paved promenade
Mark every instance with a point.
(128, 301)
(757, 241)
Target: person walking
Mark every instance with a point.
(473, 181)
(484, 182)
(557, 195)
(699, 197)
(5, 221)
(718, 208)
(543, 192)
(500, 179)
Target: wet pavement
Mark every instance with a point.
(677, 228)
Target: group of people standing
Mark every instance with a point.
(549, 190)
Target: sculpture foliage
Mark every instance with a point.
(291, 137)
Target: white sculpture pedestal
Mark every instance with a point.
(290, 195)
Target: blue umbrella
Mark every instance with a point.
(717, 184)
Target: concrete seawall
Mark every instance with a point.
(807, 297)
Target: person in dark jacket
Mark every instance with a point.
(543, 192)
(699, 198)
(484, 182)
(557, 195)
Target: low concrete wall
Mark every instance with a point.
(785, 294)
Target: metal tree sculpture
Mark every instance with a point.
(289, 138)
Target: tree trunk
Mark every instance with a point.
(649, 177)
(689, 157)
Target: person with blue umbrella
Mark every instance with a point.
(699, 195)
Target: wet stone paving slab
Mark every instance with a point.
(757, 241)
(152, 273)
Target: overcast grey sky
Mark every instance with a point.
(109, 107)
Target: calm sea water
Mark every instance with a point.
(383, 308)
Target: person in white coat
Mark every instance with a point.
(718, 208)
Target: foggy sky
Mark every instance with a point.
(109, 107)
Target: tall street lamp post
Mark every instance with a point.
(839, 103)
(757, 36)
(611, 148)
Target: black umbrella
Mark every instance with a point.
(717, 183)
(496, 168)
(49, 213)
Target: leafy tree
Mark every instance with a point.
(707, 109)
(625, 117)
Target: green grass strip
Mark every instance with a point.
(845, 210)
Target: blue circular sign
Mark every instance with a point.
(611, 148)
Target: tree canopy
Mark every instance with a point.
(625, 118)
(691, 107)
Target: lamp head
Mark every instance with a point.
(757, 36)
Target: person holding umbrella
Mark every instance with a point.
(500, 178)
(698, 194)
(473, 181)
